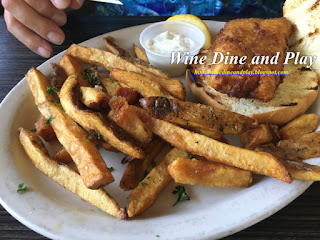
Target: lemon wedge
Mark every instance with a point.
(194, 20)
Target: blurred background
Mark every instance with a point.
(239, 8)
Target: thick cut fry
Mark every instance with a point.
(299, 126)
(85, 155)
(58, 76)
(280, 154)
(146, 193)
(110, 44)
(111, 85)
(129, 94)
(303, 171)
(197, 115)
(203, 173)
(63, 156)
(94, 97)
(45, 130)
(137, 167)
(66, 177)
(73, 67)
(260, 135)
(213, 150)
(126, 118)
(94, 121)
(307, 146)
(142, 84)
(139, 53)
(110, 61)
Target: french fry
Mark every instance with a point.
(260, 135)
(94, 121)
(73, 67)
(137, 167)
(139, 53)
(303, 171)
(91, 166)
(126, 118)
(197, 115)
(213, 150)
(110, 61)
(58, 76)
(63, 156)
(203, 173)
(278, 153)
(109, 42)
(129, 94)
(299, 126)
(94, 98)
(142, 84)
(146, 193)
(66, 177)
(111, 85)
(45, 130)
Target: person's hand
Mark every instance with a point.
(35, 23)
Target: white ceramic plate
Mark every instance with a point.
(54, 212)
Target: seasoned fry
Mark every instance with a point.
(94, 121)
(299, 126)
(136, 167)
(66, 177)
(146, 193)
(260, 135)
(303, 171)
(258, 162)
(45, 130)
(109, 42)
(93, 170)
(111, 85)
(278, 153)
(129, 94)
(142, 84)
(203, 173)
(139, 53)
(197, 115)
(63, 156)
(94, 98)
(73, 67)
(126, 118)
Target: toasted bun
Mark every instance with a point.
(293, 97)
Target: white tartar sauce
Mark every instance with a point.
(168, 42)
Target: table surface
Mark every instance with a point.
(299, 220)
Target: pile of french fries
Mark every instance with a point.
(137, 109)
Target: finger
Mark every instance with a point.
(76, 4)
(61, 4)
(34, 21)
(27, 37)
(47, 10)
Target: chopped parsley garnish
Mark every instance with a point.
(148, 178)
(90, 136)
(196, 142)
(95, 67)
(157, 235)
(54, 101)
(120, 130)
(99, 136)
(189, 155)
(21, 188)
(93, 80)
(48, 121)
(33, 130)
(51, 90)
(111, 169)
(144, 183)
(187, 123)
(145, 173)
(153, 164)
(182, 195)
(111, 79)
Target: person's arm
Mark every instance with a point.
(36, 23)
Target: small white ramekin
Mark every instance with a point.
(163, 61)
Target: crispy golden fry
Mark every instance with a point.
(142, 84)
(280, 154)
(126, 118)
(45, 130)
(91, 166)
(58, 76)
(111, 85)
(307, 146)
(66, 177)
(209, 133)
(63, 156)
(303, 171)
(203, 173)
(94, 97)
(109, 42)
(139, 53)
(299, 126)
(260, 135)
(95, 121)
(197, 115)
(73, 67)
(146, 193)
(132, 96)
(258, 162)
(137, 167)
